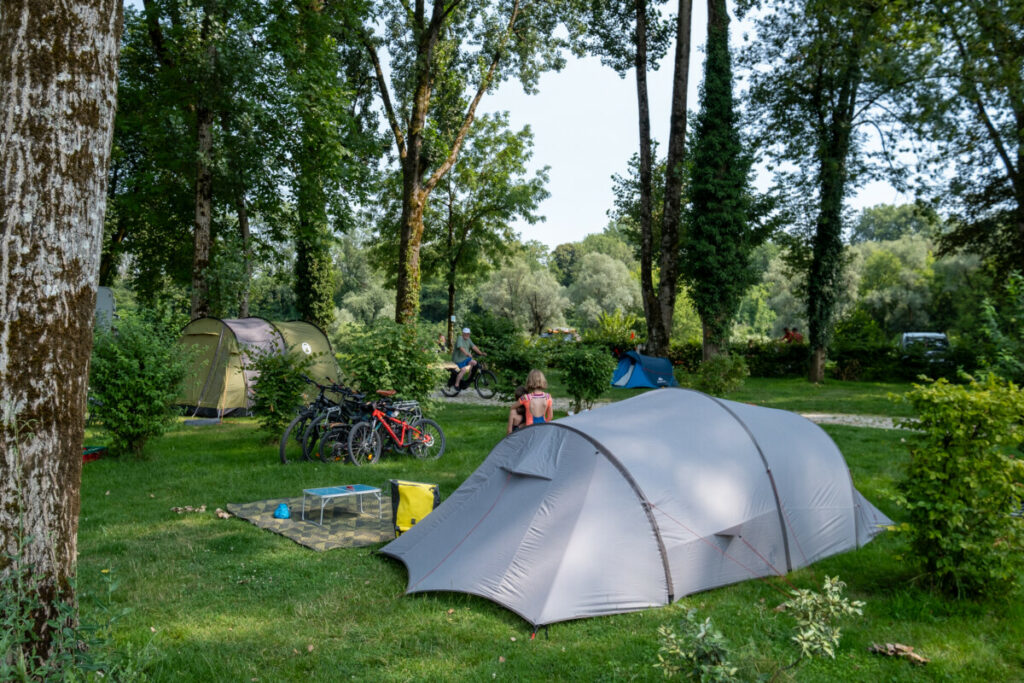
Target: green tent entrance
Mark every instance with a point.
(221, 380)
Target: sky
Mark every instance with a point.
(584, 122)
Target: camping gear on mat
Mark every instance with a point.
(636, 370)
(411, 501)
(282, 512)
(221, 379)
(636, 504)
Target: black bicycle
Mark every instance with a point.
(480, 378)
(294, 439)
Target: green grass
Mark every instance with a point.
(223, 600)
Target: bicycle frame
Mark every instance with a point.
(382, 419)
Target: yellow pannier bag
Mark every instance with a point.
(411, 501)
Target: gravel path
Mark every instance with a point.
(874, 421)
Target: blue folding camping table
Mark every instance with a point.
(328, 493)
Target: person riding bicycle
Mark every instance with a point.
(462, 356)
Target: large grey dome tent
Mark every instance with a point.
(636, 504)
(222, 379)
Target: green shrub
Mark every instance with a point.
(686, 357)
(512, 361)
(963, 485)
(717, 376)
(618, 331)
(857, 330)
(775, 359)
(386, 355)
(586, 373)
(701, 653)
(490, 331)
(279, 388)
(860, 350)
(816, 615)
(135, 378)
(1003, 328)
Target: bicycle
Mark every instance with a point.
(336, 423)
(344, 414)
(482, 379)
(423, 437)
(299, 426)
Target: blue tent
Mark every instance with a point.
(635, 370)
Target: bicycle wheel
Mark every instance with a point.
(448, 388)
(294, 429)
(312, 435)
(364, 444)
(429, 443)
(334, 444)
(486, 384)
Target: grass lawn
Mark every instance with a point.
(221, 600)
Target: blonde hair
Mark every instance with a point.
(535, 380)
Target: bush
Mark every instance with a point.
(686, 357)
(278, 391)
(618, 331)
(816, 614)
(860, 350)
(491, 331)
(701, 653)
(386, 355)
(775, 359)
(512, 361)
(135, 378)
(717, 376)
(586, 373)
(963, 486)
(1003, 329)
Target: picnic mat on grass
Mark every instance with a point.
(344, 526)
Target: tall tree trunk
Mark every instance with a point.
(659, 336)
(314, 270)
(648, 294)
(58, 82)
(407, 288)
(416, 189)
(243, 229)
(204, 211)
(827, 248)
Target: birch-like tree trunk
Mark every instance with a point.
(58, 83)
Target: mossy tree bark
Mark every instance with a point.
(58, 84)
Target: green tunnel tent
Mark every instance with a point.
(221, 381)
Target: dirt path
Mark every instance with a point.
(874, 421)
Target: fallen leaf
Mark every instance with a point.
(513, 639)
(152, 496)
(501, 660)
(295, 651)
(152, 629)
(107, 493)
(451, 611)
(309, 648)
(224, 514)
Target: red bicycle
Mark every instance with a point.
(422, 437)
